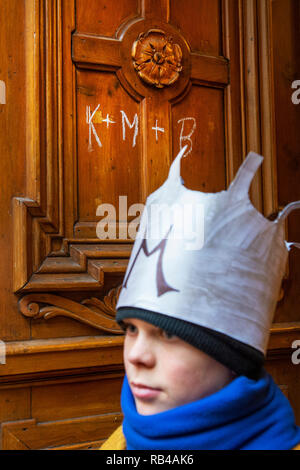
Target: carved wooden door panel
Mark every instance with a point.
(140, 83)
(113, 91)
(121, 90)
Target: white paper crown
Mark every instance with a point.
(228, 277)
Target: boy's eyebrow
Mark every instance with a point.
(125, 321)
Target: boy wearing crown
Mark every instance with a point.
(197, 322)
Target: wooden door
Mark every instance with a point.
(110, 92)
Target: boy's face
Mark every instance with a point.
(165, 372)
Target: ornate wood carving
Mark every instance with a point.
(53, 248)
(85, 265)
(38, 216)
(46, 255)
(156, 58)
(92, 311)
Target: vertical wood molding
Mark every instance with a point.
(232, 98)
(32, 93)
(267, 108)
(21, 263)
(38, 215)
(258, 99)
(69, 206)
(242, 75)
(251, 91)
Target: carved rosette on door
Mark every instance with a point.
(119, 104)
(156, 58)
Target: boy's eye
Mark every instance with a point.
(129, 328)
(168, 335)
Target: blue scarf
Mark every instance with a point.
(245, 414)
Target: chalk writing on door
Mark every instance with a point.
(130, 128)
(184, 138)
(157, 129)
(134, 124)
(2, 92)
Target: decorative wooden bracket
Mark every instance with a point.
(94, 312)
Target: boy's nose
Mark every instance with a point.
(142, 353)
